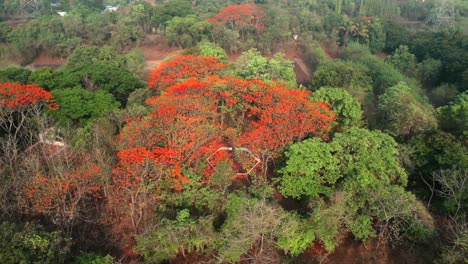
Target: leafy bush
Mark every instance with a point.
(29, 243)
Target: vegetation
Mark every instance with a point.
(235, 131)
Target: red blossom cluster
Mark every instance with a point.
(13, 96)
(240, 17)
(182, 67)
(61, 194)
(194, 117)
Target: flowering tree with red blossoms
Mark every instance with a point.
(182, 67)
(21, 106)
(63, 196)
(241, 18)
(196, 117)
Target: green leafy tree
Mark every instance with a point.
(352, 183)
(116, 81)
(396, 35)
(435, 151)
(30, 243)
(85, 55)
(79, 107)
(404, 61)
(252, 65)
(345, 74)
(311, 169)
(182, 235)
(404, 113)
(211, 49)
(383, 75)
(187, 31)
(16, 75)
(342, 103)
(454, 117)
(171, 9)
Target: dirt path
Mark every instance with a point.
(303, 74)
(155, 54)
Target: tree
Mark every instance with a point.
(382, 74)
(396, 35)
(403, 113)
(15, 75)
(348, 109)
(251, 227)
(209, 49)
(404, 61)
(356, 182)
(187, 31)
(454, 117)
(20, 106)
(241, 17)
(81, 107)
(321, 174)
(344, 74)
(198, 126)
(85, 55)
(171, 9)
(436, 151)
(183, 67)
(116, 81)
(63, 197)
(31, 243)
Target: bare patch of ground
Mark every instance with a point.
(156, 53)
(44, 60)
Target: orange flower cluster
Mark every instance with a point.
(182, 67)
(239, 17)
(197, 116)
(61, 194)
(14, 96)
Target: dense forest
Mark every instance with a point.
(233, 131)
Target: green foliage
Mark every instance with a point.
(5, 29)
(46, 78)
(377, 35)
(361, 157)
(327, 222)
(296, 235)
(404, 113)
(396, 35)
(314, 55)
(171, 9)
(15, 75)
(29, 243)
(457, 253)
(249, 221)
(169, 237)
(252, 65)
(187, 31)
(91, 258)
(437, 150)
(361, 227)
(403, 60)
(454, 117)
(211, 49)
(342, 103)
(382, 74)
(429, 71)
(344, 74)
(447, 46)
(443, 94)
(311, 169)
(116, 81)
(79, 107)
(85, 55)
